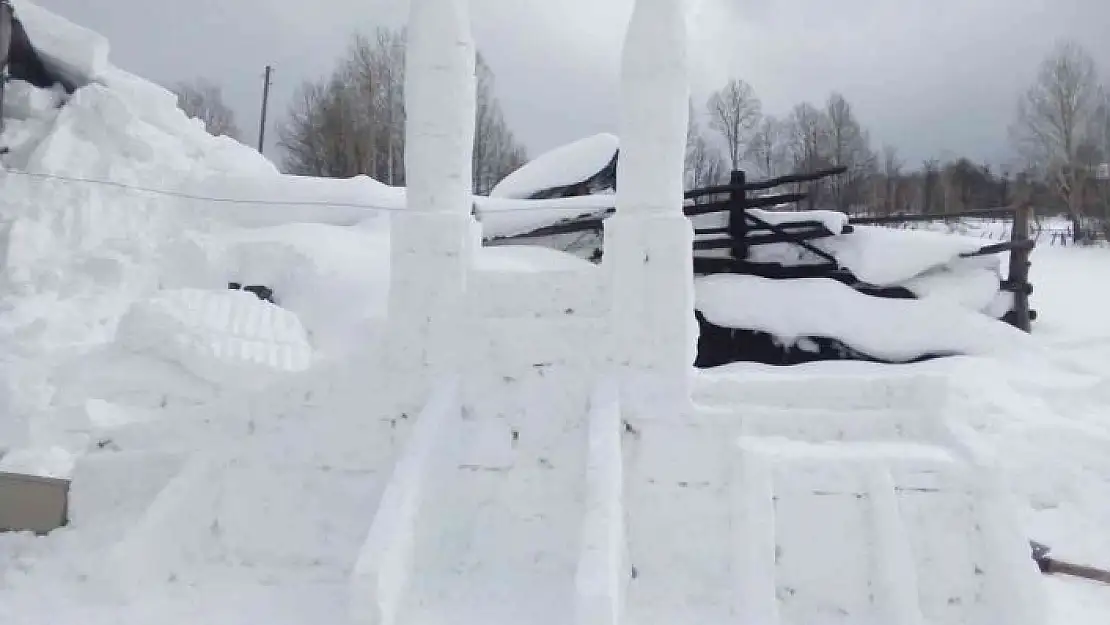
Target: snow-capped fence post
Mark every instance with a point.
(648, 243)
(432, 240)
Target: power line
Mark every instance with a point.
(314, 203)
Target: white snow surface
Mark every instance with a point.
(54, 462)
(834, 221)
(867, 253)
(893, 329)
(564, 166)
(228, 489)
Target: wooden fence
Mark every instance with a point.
(727, 248)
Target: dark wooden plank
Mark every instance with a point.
(1014, 245)
(757, 202)
(1005, 212)
(766, 184)
(737, 217)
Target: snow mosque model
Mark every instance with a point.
(508, 442)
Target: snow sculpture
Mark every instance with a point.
(432, 240)
(648, 242)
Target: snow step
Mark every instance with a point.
(822, 425)
(905, 536)
(514, 490)
(679, 514)
(603, 571)
(801, 390)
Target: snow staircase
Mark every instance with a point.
(868, 512)
(479, 523)
(738, 514)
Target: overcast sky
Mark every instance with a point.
(932, 77)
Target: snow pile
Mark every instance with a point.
(53, 462)
(892, 329)
(562, 167)
(833, 221)
(80, 238)
(79, 54)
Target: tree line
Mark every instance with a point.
(353, 122)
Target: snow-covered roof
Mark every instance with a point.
(564, 166)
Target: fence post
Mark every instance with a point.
(1019, 268)
(738, 216)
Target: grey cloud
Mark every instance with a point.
(933, 77)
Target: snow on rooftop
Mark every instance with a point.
(564, 166)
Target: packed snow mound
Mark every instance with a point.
(881, 256)
(891, 329)
(218, 336)
(77, 53)
(52, 462)
(564, 166)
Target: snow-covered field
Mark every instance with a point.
(232, 463)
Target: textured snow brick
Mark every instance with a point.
(600, 578)
(111, 490)
(652, 271)
(382, 576)
(817, 425)
(167, 541)
(678, 515)
(905, 536)
(545, 294)
(872, 391)
(184, 430)
(508, 346)
(219, 336)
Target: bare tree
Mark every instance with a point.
(496, 151)
(704, 164)
(1055, 120)
(734, 112)
(203, 100)
(807, 145)
(767, 150)
(354, 122)
(848, 146)
(892, 173)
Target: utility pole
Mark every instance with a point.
(265, 104)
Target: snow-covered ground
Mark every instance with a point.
(229, 456)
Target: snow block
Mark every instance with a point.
(603, 571)
(110, 491)
(166, 536)
(544, 294)
(382, 575)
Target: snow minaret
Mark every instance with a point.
(648, 244)
(433, 239)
